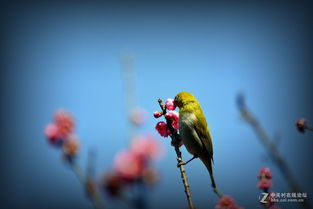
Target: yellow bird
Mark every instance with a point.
(194, 131)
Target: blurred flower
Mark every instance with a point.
(301, 125)
(170, 105)
(157, 114)
(163, 129)
(150, 176)
(138, 116)
(265, 173)
(52, 133)
(129, 165)
(113, 184)
(265, 184)
(71, 146)
(65, 122)
(146, 146)
(174, 117)
(226, 202)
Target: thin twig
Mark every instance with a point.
(95, 197)
(176, 140)
(270, 146)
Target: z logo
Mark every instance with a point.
(264, 198)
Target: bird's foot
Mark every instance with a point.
(180, 163)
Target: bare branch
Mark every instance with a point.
(270, 146)
(176, 141)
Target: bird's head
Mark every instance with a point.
(184, 98)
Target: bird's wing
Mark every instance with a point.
(201, 128)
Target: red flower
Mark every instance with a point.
(170, 105)
(157, 114)
(226, 202)
(174, 117)
(265, 183)
(301, 125)
(65, 122)
(163, 129)
(52, 133)
(265, 173)
(129, 165)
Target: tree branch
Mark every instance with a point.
(270, 147)
(176, 141)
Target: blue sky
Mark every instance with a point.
(68, 56)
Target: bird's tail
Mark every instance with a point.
(208, 164)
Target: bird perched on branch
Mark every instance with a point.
(194, 131)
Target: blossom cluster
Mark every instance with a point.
(265, 177)
(171, 116)
(133, 165)
(265, 182)
(60, 133)
(227, 202)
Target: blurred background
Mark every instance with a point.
(68, 55)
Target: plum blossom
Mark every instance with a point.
(65, 122)
(163, 129)
(227, 202)
(265, 173)
(128, 165)
(157, 114)
(265, 184)
(52, 133)
(174, 117)
(169, 104)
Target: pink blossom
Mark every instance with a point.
(157, 114)
(170, 105)
(138, 116)
(128, 165)
(163, 129)
(226, 202)
(146, 146)
(52, 132)
(174, 117)
(265, 173)
(65, 122)
(265, 183)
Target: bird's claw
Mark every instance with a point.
(180, 163)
